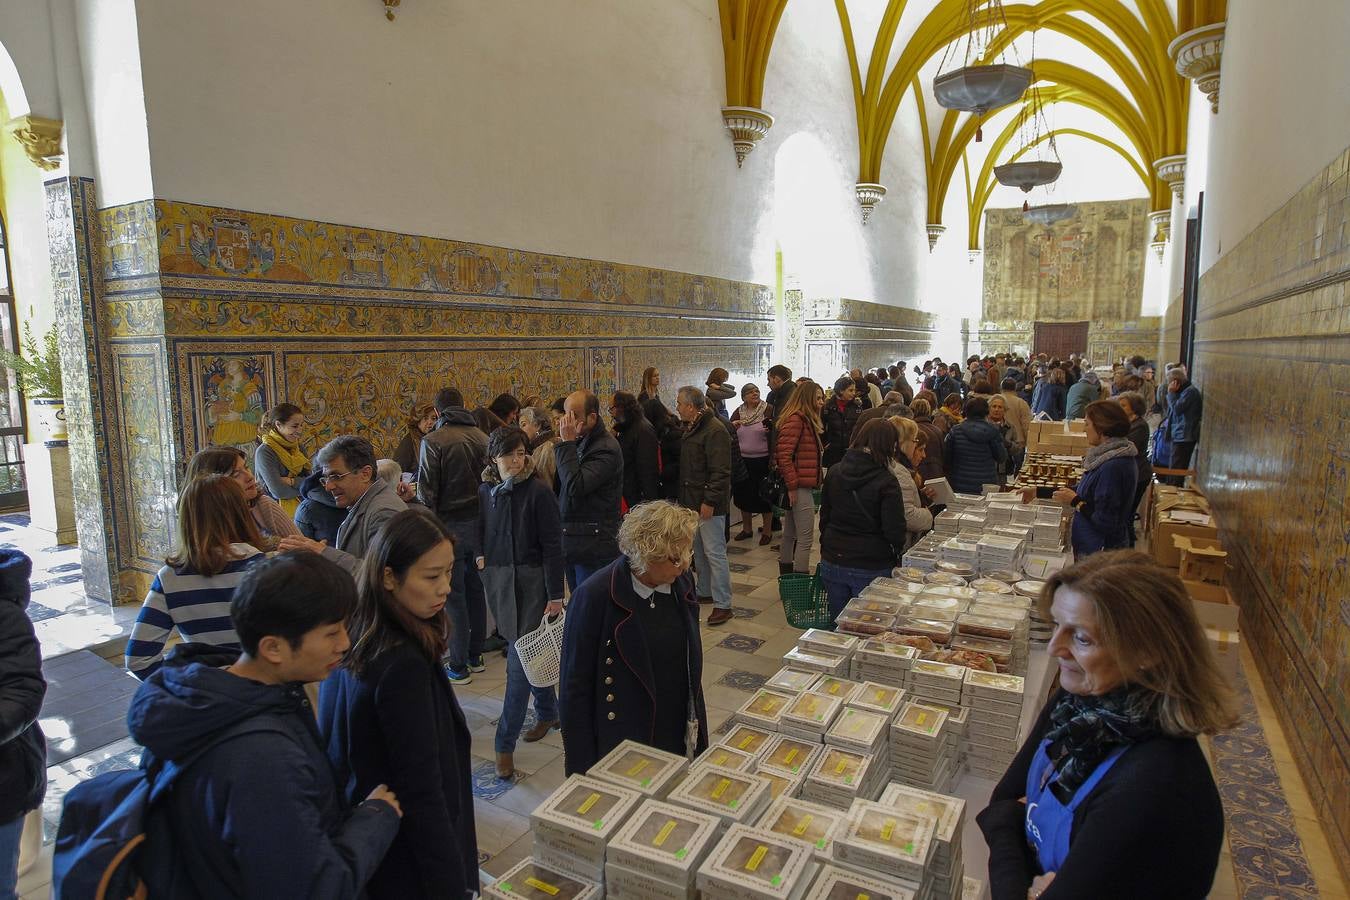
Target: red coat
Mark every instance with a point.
(797, 453)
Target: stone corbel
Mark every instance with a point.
(1197, 55)
(41, 139)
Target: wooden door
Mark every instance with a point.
(1059, 339)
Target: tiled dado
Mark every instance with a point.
(1272, 356)
(205, 317)
(1108, 341)
(839, 333)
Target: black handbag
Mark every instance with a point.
(773, 489)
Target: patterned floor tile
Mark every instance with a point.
(740, 567)
(1268, 856)
(486, 784)
(37, 612)
(743, 681)
(743, 643)
(744, 612)
(736, 551)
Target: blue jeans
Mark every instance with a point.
(466, 605)
(517, 699)
(842, 584)
(9, 858)
(579, 572)
(712, 575)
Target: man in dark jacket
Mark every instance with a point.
(641, 450)
(893, 404)
(260, 813)
(318, 517)
(448, 475)
(945, 382)
(590, 484)
(781, 386)
(23, 752)
(1184, 406)
(705, 487)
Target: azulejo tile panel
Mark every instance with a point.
(1272, 358)
(210, 241)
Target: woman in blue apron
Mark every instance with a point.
(1110, 795)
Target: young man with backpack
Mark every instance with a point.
(235, 795)
(23, 753)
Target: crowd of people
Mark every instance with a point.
(328, 604)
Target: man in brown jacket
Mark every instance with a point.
(705, 487)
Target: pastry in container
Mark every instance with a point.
(959, 569)
(863, 623)
(985, 626)
(935, 631)
(1000, 651)
(917, 641)
(910, 573)
(992, 585)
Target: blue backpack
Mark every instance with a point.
(104, 822)
(1162, 446)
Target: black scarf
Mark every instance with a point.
(1084, 730)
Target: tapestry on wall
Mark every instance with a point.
(1088, 267)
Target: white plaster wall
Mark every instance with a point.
(111, 84)
(589, 128)
(1284, 112)
(25, 32)
(1199, 121)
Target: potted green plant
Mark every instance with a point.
(38, 375)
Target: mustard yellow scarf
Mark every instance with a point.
(289, 453)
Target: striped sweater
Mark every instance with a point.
(197, 605)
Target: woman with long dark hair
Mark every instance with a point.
(421, 422)
(217, 541)
(389, 716)
(268, 515)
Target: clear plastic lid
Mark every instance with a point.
(879, 696)
(890, 605)
(939, 601)
(812, 660)
(840, 766)
(863, 622)
(588, 803)
(990, 681)
(766, 704)
(717, 789)
(992, 585)
(817, 708)
(832, 686)
(666, 832)
(840, 642)
(727, 757)
(906, 835)
(930, 669)
(750, 857)
(858, 725)
(808, 822)
(534, 881)
(793, 680)
(997, 650)
(920, 718)
(893, 649)
(635, 764)
(985, 626)
(747, 739)
(938, 632)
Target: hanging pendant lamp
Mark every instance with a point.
(1032, 132)
(976, 87)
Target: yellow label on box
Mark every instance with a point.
(839, 769)
(863, 897)
(792, 754)
(664, 833)
(811, 706)
(888, 829)
(721, 788)
(586, 804)
(746, 741)
(923, 717)
(834, 688)
(756, 858)
(638, 767)
(881, 696)
(721, 758)
(804, 824)
(550, 889)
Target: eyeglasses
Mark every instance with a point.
(683, 559)
(332, 477)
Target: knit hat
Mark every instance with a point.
(843, 384)
(15, 570)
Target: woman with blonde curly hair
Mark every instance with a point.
(641, 682)
(1110, 795)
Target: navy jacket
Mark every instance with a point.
(260, 815)
(23, 752)
(605, 656)
(399, 724)
(1183, 413)
(318, 516)
(590, 483)
(974, 450)
(1104, 523)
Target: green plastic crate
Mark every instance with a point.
(804, 603)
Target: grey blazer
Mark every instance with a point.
(377, 505)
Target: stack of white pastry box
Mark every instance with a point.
(995, 703)
(924, 749)
(573, 826)
(946, 870)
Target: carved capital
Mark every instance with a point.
(41, 139)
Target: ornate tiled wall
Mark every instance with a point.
(838, 334)
(205, 317)
(1107, 340)
(1272, 356)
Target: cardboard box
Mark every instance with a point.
(1164, 529)
(1201, 559)
(1213, 605)
(1227, 648)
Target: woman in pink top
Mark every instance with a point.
(751, 421)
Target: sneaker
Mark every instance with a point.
(476, 664)
(457, 676)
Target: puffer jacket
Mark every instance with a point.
(797, 453)
(23, 752)
(839, 424)
(448, 467)
(974, 452)
(862, 514)
(705, 465)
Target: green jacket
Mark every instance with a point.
(705, 465)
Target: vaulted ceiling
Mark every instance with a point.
(1109, 57)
